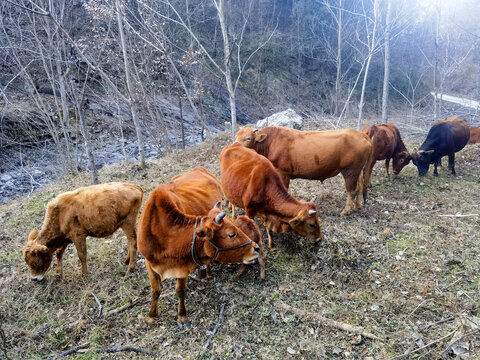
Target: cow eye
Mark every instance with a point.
(311, 225)
(247, 139)
(232, 235)
(401, 161)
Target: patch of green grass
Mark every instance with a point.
(95, 336)
(8, 256)
(58, 338)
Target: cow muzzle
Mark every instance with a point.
(37, 278)
(253, 258)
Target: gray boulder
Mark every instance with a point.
(288, 118)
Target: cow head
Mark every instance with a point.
(400, 160)
(422, 160)
(37, 256)
(248, 137)
(219, 232)
(306, 223)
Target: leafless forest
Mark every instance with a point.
(89, 82)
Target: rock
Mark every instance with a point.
(288, 118)
(5, 177)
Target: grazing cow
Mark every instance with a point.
(316, 155)
(174, 243)
(387, 144)
(251, 182)
(97, 210)
(444, 138)
(251, 229)
(205, 189)
(474, 135)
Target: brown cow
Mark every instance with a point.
(316, 155)
(251, 182)
(174, 244)
(97, 211)
(387, 144)
(474, 135)
(205, 190)
(251, 229)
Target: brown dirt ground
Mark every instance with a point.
(396, 267)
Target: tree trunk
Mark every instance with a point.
(181, 122)
(131, 96)
(435, 69)
(339, 57)
(386, 74)
(226, 63)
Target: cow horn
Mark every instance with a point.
(217, 205)
(311, 212)
(421, 151)
(219, 217)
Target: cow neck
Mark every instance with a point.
(285, 204)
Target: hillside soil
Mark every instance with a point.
(405, 268)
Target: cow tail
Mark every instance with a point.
(367, 171)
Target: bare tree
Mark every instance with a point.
(386, 72)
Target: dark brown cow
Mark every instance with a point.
(97, 211)
(387, 144)
(474, 135)
(251, 182)
(316, 155)
(444, 138)
(174, 243)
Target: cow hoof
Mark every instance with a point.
(129, 271)
(272, 248)
(345, 212)
(184, 325)
(150, 321)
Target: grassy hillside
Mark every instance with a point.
(404, 268)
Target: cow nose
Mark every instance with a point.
(395, 172)
(37, 278)
(257, 249)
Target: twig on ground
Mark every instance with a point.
(215, 329)
(458, 215)
(125, 348)
(329, 322)
(70, 351)
(128, 305)
(100, 307)
(428, 345)
(423, 302)
(438, 323)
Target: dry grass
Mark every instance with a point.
(395, 268)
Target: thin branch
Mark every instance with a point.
(69, 352)
(215, 329)
(100, 307)
(329, 322)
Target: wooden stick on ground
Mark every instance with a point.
(329, 322)
(100, 307)
(125, 348)
(126, 306)
(69, 352)
(215, 329)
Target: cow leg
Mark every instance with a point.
(435, 164)
(182, 319)
(451, 163)
(387, 165)
(80, 243)
(351, 181)
(156, 287)
(59, 253)
(270, 240)
(129, 230)
(359, 192)
(261, 260)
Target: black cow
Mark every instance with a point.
(444, 138)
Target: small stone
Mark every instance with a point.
(374, 307)
(291, 351)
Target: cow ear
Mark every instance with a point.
(260, 137)
(203, 232)
(33, 235)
